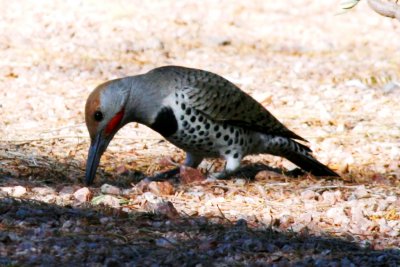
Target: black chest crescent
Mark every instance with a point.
(165, 122)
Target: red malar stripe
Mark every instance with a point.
(114, 122)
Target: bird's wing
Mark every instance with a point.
(221, 100)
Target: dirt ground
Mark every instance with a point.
(333, 79)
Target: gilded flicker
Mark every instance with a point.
(198, 111)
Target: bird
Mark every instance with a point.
(198, 111)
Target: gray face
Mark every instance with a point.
(104, 115)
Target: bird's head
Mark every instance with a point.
(105, 114)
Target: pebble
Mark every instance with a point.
(110, 189)
(285, 221)
(104, 220)
(161, 188)
(67, 224)
(66, 192)
(240, 182)
(167, 209)
(150, 197)
(360, 192)
(305, 217)
(16, 191)
(308, 194)
(338, 215)
(331, 197)
(190, 175)
(83, 194)
(109, 200)
(43, 190)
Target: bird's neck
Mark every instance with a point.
(145, 98)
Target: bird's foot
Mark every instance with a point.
(250, 171)
(163, 176)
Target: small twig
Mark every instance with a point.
(223, 215)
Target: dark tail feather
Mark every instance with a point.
(310, 164)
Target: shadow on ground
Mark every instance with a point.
(36, 233)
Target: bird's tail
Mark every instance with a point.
(310, 164)
(299, 154)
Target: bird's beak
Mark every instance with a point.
(97, 148)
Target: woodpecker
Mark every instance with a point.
(198, 111)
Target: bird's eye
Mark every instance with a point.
(98, 116)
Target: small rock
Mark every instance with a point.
(43, 190)
(14, 191)
(330, 197)
(391, 87)
(151, 198)
(167, 209)
(104, 220)
(285, 221)
(338, 215)
(166, 242)
(359, 219)
(382, 205)
(47, 198)
(267, 218)
(108, 200)
(161, 188)
(308, 194)
(66, 191)
(287, 248)
(110, 189)
(67, 224)
(143, 185)
(346, 262)
(298, 227)
(383, 226)
(19, 191)
(83, 194)
(127, 192)
(305, 218)
(23, 213)
(190, 175)
(361, 192)
(240, 182)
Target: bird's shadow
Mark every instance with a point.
(106, 236)
(248, 172)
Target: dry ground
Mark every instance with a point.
(334, 80)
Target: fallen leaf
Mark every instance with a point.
(190, 175)
(83, 194)
(161, 188)
(167, 209)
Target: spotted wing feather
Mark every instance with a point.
(221, 100)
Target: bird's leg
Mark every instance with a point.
(191, 161)
(232, 164)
